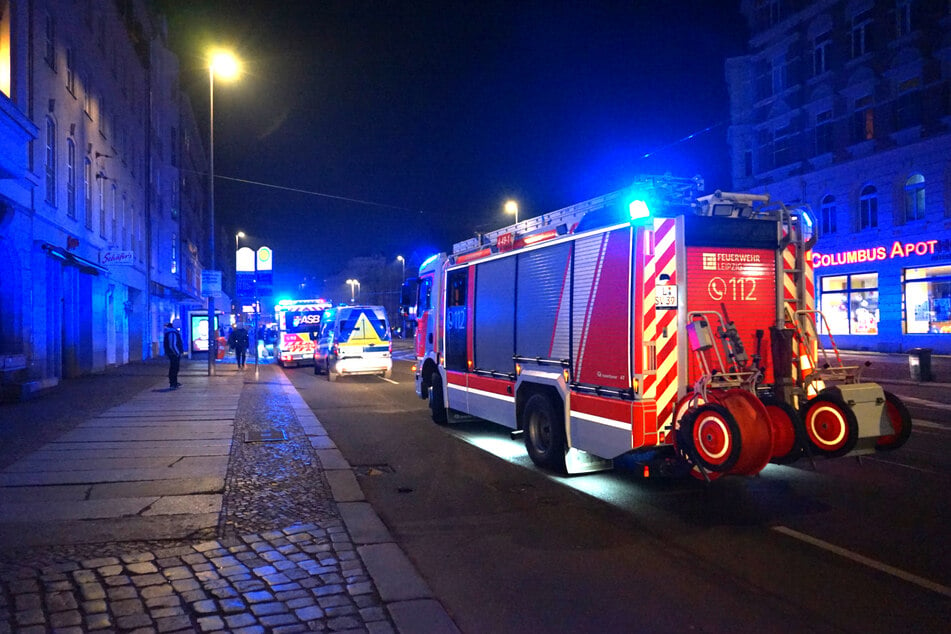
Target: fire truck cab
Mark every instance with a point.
(651, 323)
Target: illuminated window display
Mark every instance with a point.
(850, 303)
(928, 300)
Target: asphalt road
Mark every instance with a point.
(839, 546)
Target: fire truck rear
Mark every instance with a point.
(298, 321)
(679, 331)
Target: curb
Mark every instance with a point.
(407, 596)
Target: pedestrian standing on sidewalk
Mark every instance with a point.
(173, 350)
(239, 341)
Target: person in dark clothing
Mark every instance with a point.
(173, 350)
(239, 341)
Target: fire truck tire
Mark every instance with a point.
(831, 427)
(788, 433)
(437, 403)
(711, 437)
(897, 414)
(544, 433)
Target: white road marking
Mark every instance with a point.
(389, 380)
(866, 561)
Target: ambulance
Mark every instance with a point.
(652, 324)
(298, 322)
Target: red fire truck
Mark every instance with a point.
(676, 330)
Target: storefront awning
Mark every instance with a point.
(84, 265)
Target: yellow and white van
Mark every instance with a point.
(354, 340)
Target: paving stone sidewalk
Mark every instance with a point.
(296, 549)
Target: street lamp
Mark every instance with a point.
(238, 235)
(353, 283)
(511, 207)
(225, 66)
(403, 262)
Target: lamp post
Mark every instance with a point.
(403, 263)
(353, 283)
(238, 235)
(511, 207)
(225, 66)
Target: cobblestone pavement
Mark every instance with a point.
(281, 560)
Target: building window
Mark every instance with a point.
(87, 191)
(50, 161)
(5, 50)
(767, 13)
(903, 17)
(915, 198)
(824, 132)
(747, 163)
(87, 99)
(115, 216)
(863, 120)
(50, 35)
(70, 178)
(70, 72)
(861, 33)
(126, 239)
(827, 213)
(101, 190)
(927, 298)
(908, 106)
(868, 208)
(174, 264)
(784, 146)
(849, 304)
(820, 53)
(779, 74)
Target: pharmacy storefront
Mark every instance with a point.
(888, 297)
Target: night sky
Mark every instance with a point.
(415, 121)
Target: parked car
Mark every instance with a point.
(354, 340)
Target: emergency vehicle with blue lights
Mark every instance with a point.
(298, 322)
(651, 324)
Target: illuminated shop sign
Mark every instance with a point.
(898, 249)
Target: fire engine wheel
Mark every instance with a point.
(830, 424)
(897, 414)
(437, 404)
(788, 433)
(711, 437)
(544, 433)
(752, 420)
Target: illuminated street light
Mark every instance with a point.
(238, 235)
(403, 262)
(353, 283)
(225, 66)
(511, 207)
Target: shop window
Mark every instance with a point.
(927, 300)
(915, 198)
(849, 304)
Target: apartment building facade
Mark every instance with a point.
(845, 105)
(91, 218)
